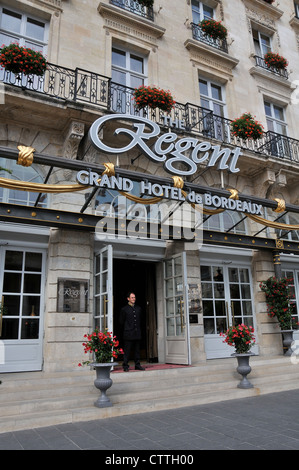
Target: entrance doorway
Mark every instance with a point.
(140, 278)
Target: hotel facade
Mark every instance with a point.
(99, 197)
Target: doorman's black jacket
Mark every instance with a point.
(130, 319)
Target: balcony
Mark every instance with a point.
(199, 35)
(135, 7)
(85, 87)
(260, 62)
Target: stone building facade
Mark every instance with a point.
(58, 279)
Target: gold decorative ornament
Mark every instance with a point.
(281, 205)
(25, 157)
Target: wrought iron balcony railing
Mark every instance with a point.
(82, 86)
(135, 7)
(260, 62)
(199, 35)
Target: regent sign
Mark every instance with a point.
(168, 149)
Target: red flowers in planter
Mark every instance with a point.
(246, 127)
(17, 59)
(154, 98)
(275, 60)
(213, 28)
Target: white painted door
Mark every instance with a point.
(176, 310)
(103, 308)
(22, 280)
(294, 274)
(227, 300)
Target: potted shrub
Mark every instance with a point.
(275, 60)
(278, 296)
(213, 28)
(241, 337)
(18, 59)
(105, 349)
(246, 127)
(154, 98)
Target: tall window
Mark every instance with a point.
(200, 11)
(25, 29)
(128, 72)
(212, 100)
(262, 43)
(275, 118)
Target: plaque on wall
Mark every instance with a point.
(72, 295)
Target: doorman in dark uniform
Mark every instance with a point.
(130, 320)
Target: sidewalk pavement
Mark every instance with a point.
(267, 422)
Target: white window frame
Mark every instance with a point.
(126, 70)
(20, 36)
(199, 12)
(258, 45)
(272, 121)
(210, 98)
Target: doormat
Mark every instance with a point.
(149, 367)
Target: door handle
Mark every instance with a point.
(105, 310)
(181, 314)
(233, 312)
(1, 315)
(227, 315)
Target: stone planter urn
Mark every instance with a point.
(103, 382)
(287, 340)
(244, 369)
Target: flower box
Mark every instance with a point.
(154, 98)
(18, 59)
(245, 127)
(275, 60)
(213, 28)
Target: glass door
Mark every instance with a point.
(22, 280)
(227, 300)
(176, 310)
(103, 308)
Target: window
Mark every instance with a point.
(212, 100)
(26, 30)
(296, 5)
(231, 221)
(275, 118)
(200, 11)
(20, 173)
(289, 219)
(278, 143)
(262, 43)
(128, 72)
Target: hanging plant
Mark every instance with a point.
(146, 3)
(154, 98)
(278, 297)
(275, 60)
(213, 28)
(246, 127)
(18, 59)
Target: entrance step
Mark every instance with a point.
(37, 399)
